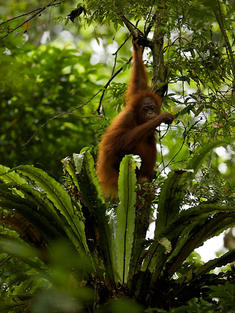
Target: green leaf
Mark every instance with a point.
(17, 248)
(170, 198)
(8, 175)
(125, 216)
(33, 207)
(174, 188)
(61, 200)
(70, 169)
(94, 203)
(200, 154)
(200, 231)
(88, 181)
(228, 257)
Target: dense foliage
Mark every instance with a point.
(64, 66)
(43, 103)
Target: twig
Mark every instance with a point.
(151, 23)
(160, 143)
(219, 18)
(99, 109)
(38, 12)
(113, 70)
(21, 24)
(134, 30)
(147, 20)
(112, 75)
(59, 115)
(182, 144)
(116, 53)
(19, 16)
(5, 260)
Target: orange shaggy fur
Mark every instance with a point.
(129, 133)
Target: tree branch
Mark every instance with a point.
(219, 17)
(35, 12)
(99, 109)
(225, 259)
(159, 69)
